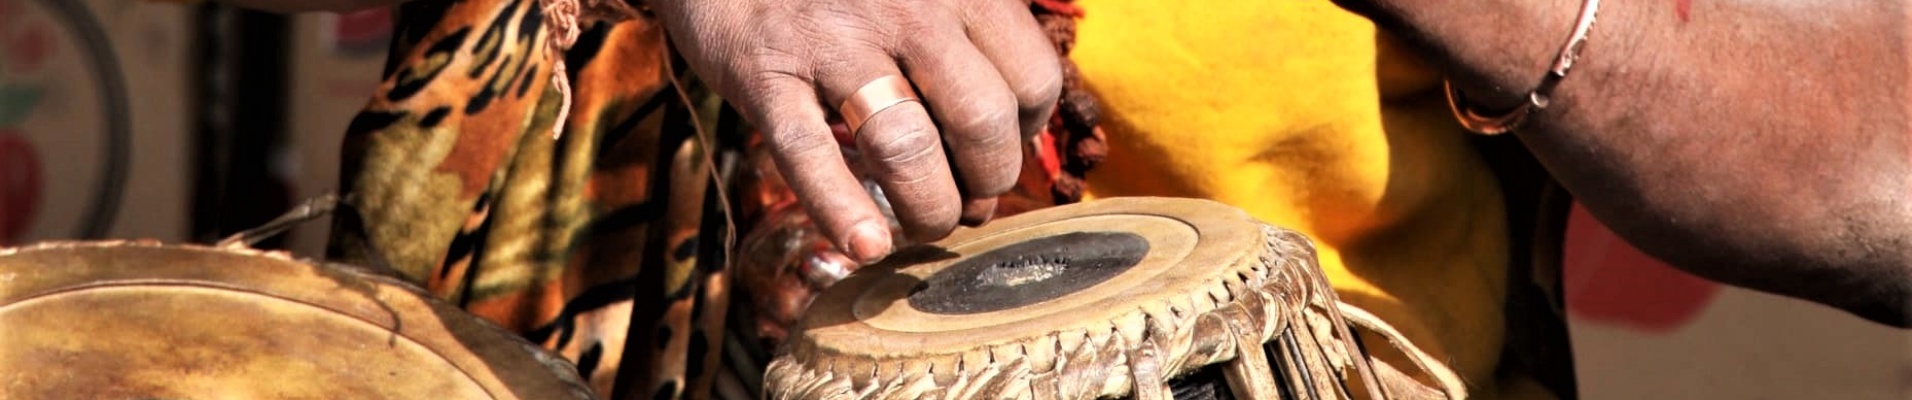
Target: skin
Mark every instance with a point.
(1760, 143)
(985, 70)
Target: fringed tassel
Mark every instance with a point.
(1075, 127)
(561, 23)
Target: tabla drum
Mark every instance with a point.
(1143, 298)
(134, 320)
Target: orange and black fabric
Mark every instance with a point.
(454, 179)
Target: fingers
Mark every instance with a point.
(908, 162)
(973, 106)
(793, 124)
(986, 72)
(1007, 33)
(976, 211)
(903, 147)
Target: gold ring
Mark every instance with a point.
(874, 98)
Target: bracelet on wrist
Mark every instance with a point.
(1495, 123)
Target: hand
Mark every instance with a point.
(984, 70)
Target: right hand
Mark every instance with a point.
(986, 72)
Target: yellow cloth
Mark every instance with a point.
(1302, 114)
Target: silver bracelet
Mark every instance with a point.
(1489, 124)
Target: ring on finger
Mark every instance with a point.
(874, 98)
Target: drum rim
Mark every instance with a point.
(1223, 239)
(482, 350)
(812, 367)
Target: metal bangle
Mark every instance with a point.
(1495, 124)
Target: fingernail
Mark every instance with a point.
(869, 242)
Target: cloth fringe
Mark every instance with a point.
(561, 24)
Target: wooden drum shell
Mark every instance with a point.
(144, 320)
(1214, 288)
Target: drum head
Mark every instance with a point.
(117, 320)
(1079, 284)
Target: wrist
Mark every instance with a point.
(1495, 51)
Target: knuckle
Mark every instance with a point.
(788, 139)
(911, 143)
(988, 123)
(763, 98)
(914, 27)
(761, 74)
(1039, 87)
(833, 22)
(916, 17)
(794, 140)
(761, 67)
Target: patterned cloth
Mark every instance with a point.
(612, 232)
(455, 181)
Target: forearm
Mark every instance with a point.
(1762, 143)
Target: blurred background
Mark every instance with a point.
(174, 120)
(185, 122)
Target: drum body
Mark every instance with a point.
(1145, 298)
(142, 320)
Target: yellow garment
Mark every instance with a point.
(1301, 114)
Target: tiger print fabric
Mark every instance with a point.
(589, 243)
(608, 242)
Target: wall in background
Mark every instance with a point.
(95, 117)
(1643, 330)
(336, 65)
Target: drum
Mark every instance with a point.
(125, 320)
(1144, 298)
